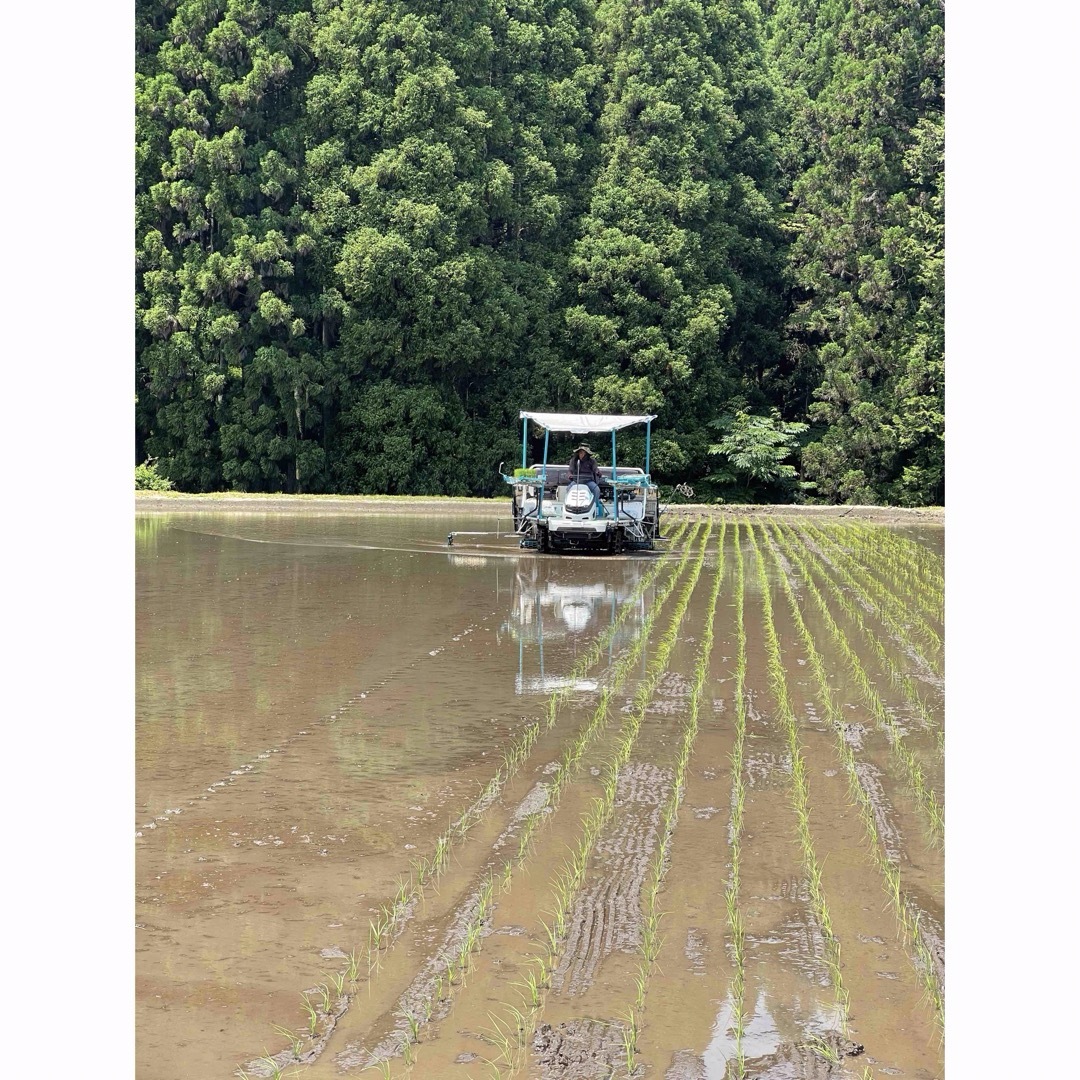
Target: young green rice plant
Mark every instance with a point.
(296, 1042)
(824, 1050)
(508, 1036)
(413, 1023)
(889, 608)
(925, 796)
(800, 791)
(337, 981)
(267, 1063)
(530, 989)
(353, 969)
(312, 1015)
(629, 1040)
(569, 878)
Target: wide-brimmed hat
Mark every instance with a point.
(584, 446)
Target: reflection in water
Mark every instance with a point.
(762, 1034)
(548, 609)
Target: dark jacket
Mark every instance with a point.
(583, 470)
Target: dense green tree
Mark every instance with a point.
(753, 452)
(864, 148)
(228, 384)
(368, 232)
(678, 250)
(442, 169)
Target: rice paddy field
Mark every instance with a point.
(411, 810)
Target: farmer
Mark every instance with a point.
(583, 471)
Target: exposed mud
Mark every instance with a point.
(607, 916)
(820, 1059)
(580, 1050)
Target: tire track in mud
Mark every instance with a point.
(924, 795)
(919, 933)
(606, 915)
(394, 920)
(571, 919)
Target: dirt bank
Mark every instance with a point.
(238, 502)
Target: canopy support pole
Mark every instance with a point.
(524, 439)
(543, 478)
(648, 446)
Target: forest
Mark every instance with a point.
(369, 232)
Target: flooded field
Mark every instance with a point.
(411, 810)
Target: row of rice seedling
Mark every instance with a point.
(902, 564)
(800, 792)
(735, 821)
(669, 817)
(575, 750)
(900, 619)
(886, 582)
(392, 917)
(907, 913)
(570, 877)
(426, 869)
(927, 565)
(457, 965)
(898, 676)
(923, 793)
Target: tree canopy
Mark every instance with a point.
(368, 232)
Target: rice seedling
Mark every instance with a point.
(824, 1050)
(353, 969)
(296, 1042)
(889, 608)
(569, 878)
(312, 1015)
(629, 1040)
(800, 788)
(413, 1024)
(925, 796)
(267, 1063)
(531, 987)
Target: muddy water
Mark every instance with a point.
(318, 697)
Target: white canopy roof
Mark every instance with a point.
(583, 423)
